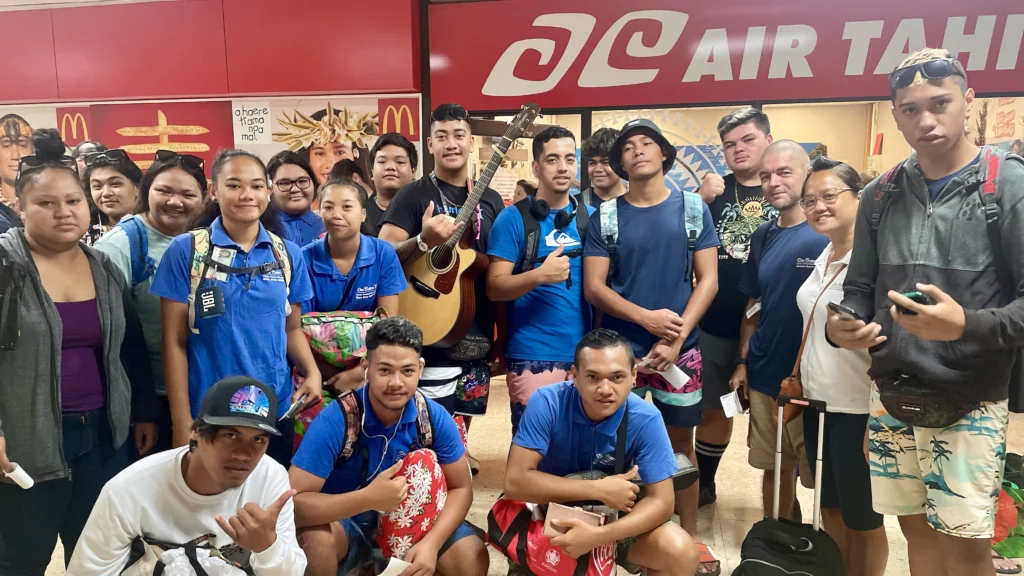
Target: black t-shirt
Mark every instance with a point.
(406, 211)
(374, 218)
(736, 213)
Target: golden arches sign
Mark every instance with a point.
(74, 126)
(397, 113)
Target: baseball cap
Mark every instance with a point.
(242, 402)
(647, 127)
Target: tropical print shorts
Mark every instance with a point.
(525, 377)
(953, 474)
(690, 363)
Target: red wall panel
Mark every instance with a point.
(28, 71)
(157, 49)
(310, 46)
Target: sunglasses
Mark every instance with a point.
(29, 163)
(115, 156)
(187, 159)
(931, 70)
(449, 114)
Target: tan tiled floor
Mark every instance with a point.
(723, 526)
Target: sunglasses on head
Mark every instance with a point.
(29, 163)
(931, 70)
(187, 159)
(450, 113)
(114, 156)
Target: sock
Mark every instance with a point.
(709, 456)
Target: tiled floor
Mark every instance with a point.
(723, 526)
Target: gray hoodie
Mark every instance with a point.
(944, 242)
(30, 384)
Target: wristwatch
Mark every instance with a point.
(740, 361)
(421, 244)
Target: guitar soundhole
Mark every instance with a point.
(441, 259)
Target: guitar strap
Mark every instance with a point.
(447, 207)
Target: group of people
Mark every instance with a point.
(185, 352)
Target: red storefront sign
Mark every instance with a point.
(581, 53)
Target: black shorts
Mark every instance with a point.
(846, 477)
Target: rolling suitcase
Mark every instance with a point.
(777, 547)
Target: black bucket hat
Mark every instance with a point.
(647, 127)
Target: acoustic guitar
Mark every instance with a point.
(440, 298)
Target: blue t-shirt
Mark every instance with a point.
(787, 259)
(301, 229)
(548, 321)
(376, 272)
(556, 427)
(653, 259)
(324, 439)
(249, 339)
(935, 187)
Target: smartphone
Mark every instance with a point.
(919, 297)
(844, 312)
(293, 409)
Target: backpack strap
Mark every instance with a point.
(586, 195)
(693, 225)
(878, 202)
(143, 267)
(582, 220)
(424, 425)
(10, 290)
(285, 259)
(353, 413)
(991, 162)
(531, 229)
(202, 249)
(608, 215)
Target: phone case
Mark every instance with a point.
(560, 512)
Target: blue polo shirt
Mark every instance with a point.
(301, 229)
(548, 321)
(249, 339)
(787, 259)
(376, 272)
(321, 446)
(556, 427)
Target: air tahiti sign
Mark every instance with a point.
(580, 53)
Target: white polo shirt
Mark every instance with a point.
(837, 376)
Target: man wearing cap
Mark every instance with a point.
(642, 253)
(220, 491)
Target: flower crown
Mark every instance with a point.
(344, 125)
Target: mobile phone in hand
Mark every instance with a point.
(844, 312)
(919, 297)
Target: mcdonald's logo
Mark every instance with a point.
(397, 114)
(74, 127)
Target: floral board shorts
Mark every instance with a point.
(473, 389)
(953, 475)
(525, 377)
(680, 408)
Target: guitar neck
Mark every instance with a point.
(469, 207)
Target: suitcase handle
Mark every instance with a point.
(821, 407)
(818, 405)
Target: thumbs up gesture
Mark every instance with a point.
(619, 492)
(254, 528)
(555, 268)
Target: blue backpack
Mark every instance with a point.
(143, 267)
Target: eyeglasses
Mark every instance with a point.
(187, 159)
(449, 113)
(931, 70)
(828, 198)
(287, 185)
(29, 163)
(114, 156)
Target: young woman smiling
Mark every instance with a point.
(245, 310)
(293, 194)
(113, 180)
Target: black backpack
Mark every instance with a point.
(784, 548)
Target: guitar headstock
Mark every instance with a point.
(526, 116)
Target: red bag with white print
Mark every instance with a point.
(400, 530)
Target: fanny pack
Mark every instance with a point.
(911, 401)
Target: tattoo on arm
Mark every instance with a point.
(407, 249)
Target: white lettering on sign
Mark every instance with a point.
(208, 301)
(598, 73)
(252, 123)
(789, 56)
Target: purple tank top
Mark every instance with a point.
(81, 357)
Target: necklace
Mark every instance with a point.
(448, 205)
(752, 208)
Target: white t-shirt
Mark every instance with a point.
(150, 499)
(116, 245)
(838, 377)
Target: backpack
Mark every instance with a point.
(352, 410)
(143, 267)
(202, 250)
(531, 228)
(10, 289)
(987, 186)
(693, 219)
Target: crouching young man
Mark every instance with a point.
(221, 491)
(341, 499)
(571, 427)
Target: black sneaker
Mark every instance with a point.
(707, 496)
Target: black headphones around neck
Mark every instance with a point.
(541, 210)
